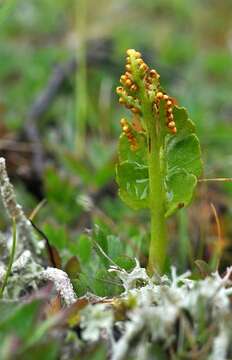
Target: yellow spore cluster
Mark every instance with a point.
(129, 92)
(127, 130)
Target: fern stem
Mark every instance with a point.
(140, 94)
(158, 241)
(158, 237)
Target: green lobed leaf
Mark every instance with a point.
(125, 262)
(182, 166)
(133, 182)
(84, 248)
(100, 236)
(179, 196)
(184, 154)
(183, 163)
(126, 154)
(183, 149)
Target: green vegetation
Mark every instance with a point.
(60, 62)
(160, 160)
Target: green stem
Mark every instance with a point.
(10, 261)
(154, 125)
(158, 242)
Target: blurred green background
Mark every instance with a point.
(65, 153)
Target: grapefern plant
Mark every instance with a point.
(159, 153)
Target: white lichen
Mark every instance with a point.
(61, 282)
(26, 270)
(94, 320)
(14, 210)
(221, 344)
(137, 276)
(22, 261)
(2, 273)
(159, 303)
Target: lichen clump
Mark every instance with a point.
(164, 317)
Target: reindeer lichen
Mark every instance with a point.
(162, 317)
(26, 270)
